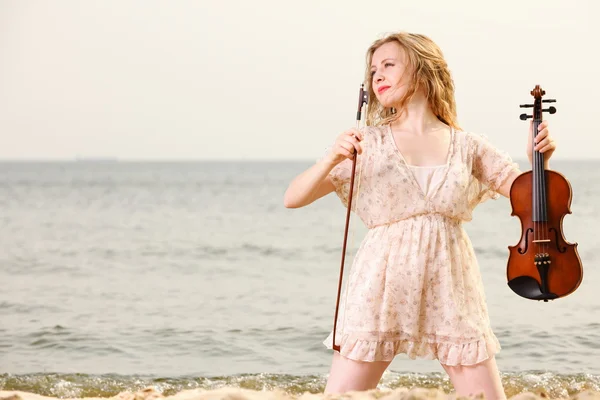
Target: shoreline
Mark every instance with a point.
(235, 393)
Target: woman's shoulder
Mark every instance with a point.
(477, 144)
(373, 129)
(470, 143)
(470, 138)
(374, 133)
(464, 134)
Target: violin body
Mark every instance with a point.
(564, 274)
(542, 265)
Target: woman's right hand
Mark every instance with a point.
(345, 146)
(312, 184)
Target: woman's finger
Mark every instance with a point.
(356, 133)
(541, 135)
(549, 146)
(354, 143)
(542, 143)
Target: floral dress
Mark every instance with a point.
(415, 285)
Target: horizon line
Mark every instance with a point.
(108, 160)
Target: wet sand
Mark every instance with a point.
(247, 394)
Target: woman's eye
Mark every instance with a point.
(388, 64)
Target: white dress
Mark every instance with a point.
(415, 285)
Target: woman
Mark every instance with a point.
(415, 286)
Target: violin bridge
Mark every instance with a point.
(541, 241)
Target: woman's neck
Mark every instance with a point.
(417, 117)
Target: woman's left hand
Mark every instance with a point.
(544, 142)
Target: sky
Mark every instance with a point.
(274, 79)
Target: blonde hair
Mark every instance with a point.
(429, 72)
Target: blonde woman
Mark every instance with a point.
(415, 285)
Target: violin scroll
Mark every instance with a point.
(537, 93)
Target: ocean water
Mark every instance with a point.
(122, 275)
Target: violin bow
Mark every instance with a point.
(363, 98)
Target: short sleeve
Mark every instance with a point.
(340, 177)
(490, 166)
(341, 174)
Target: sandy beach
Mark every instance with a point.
(247, 394)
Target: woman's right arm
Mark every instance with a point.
(314, 183)
(310, 185)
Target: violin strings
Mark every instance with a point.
(543, 201)
(537, 186)
(542, 195)
(535, 183)
(544, 208)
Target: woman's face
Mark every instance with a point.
(389, 75)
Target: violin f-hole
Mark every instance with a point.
(520, 249)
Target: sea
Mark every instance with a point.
(121, 275)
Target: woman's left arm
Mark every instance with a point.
(544, 143)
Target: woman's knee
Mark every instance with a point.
(350, 375)
(469, 380)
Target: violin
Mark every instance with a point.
(542, 265)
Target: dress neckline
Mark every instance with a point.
(448, 154)
(409, 168)
(427, 166)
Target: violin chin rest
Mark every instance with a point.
(528, 287)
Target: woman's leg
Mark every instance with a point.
(474, 379)
(347, 375)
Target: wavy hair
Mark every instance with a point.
(429, 72)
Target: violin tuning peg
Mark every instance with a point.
(549, 101)
(550, 110)
(523, 117)
(526, 105)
